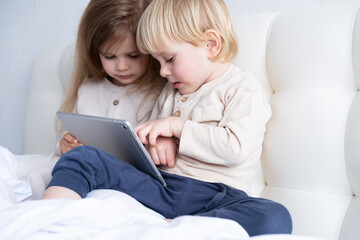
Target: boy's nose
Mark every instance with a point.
(165, 72)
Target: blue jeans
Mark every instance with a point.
(86, 168)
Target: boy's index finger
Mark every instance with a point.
(152, 137)
(142, 136)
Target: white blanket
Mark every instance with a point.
(104, 214)
(12, 189)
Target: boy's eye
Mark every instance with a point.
(169, 60)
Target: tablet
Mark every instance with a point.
(114, 136)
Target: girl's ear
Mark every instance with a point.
(213, 43)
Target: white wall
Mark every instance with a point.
(26, 26)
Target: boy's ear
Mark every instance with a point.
(213, 43)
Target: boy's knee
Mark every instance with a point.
(76, 157)
(277, 220)
(79, 153)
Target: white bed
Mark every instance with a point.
(104, 214)
(308, 62)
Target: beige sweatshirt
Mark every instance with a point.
(222, 137)
(101, 98)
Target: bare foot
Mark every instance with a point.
(168, 220)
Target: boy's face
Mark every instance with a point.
(186, 66)
(123, 62)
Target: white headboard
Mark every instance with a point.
(308, 62)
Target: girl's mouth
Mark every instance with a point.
(125, 77)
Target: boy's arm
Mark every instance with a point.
(164, 153)
(165, 127)
(165, 150)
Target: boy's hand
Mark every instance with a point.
(164, 152)
(166, 127)
(68, 142)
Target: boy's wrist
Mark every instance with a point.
(177, 125)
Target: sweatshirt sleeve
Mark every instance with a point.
(230, 134)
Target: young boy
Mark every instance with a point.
(216, 112)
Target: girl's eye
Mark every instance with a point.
(134, 56)
(109, 56)
(169, 60)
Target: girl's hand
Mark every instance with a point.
(166, 127)
(68, 142)
(164, 152)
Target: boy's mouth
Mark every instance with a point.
(176, 84)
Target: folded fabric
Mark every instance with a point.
(107, 214)
(12, 189)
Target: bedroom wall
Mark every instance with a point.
(26, 26)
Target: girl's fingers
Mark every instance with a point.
(71, 139)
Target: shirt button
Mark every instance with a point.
(178, 113)
(184, 99)
(115, 102)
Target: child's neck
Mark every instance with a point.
(219, 68)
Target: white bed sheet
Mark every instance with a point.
(104, 214)
(12, 189)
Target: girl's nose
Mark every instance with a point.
(122, 65)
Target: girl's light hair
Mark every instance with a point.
(103, 25)
(166, 22)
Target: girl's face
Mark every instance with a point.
(186, 66)
(123, 62)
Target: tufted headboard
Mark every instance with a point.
(50, 77)
(308, 62)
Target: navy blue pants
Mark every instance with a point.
(86, 168)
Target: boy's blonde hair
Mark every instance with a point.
(103, 25)
(166, 22)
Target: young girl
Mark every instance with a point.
(111, 78)
(215, 111)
